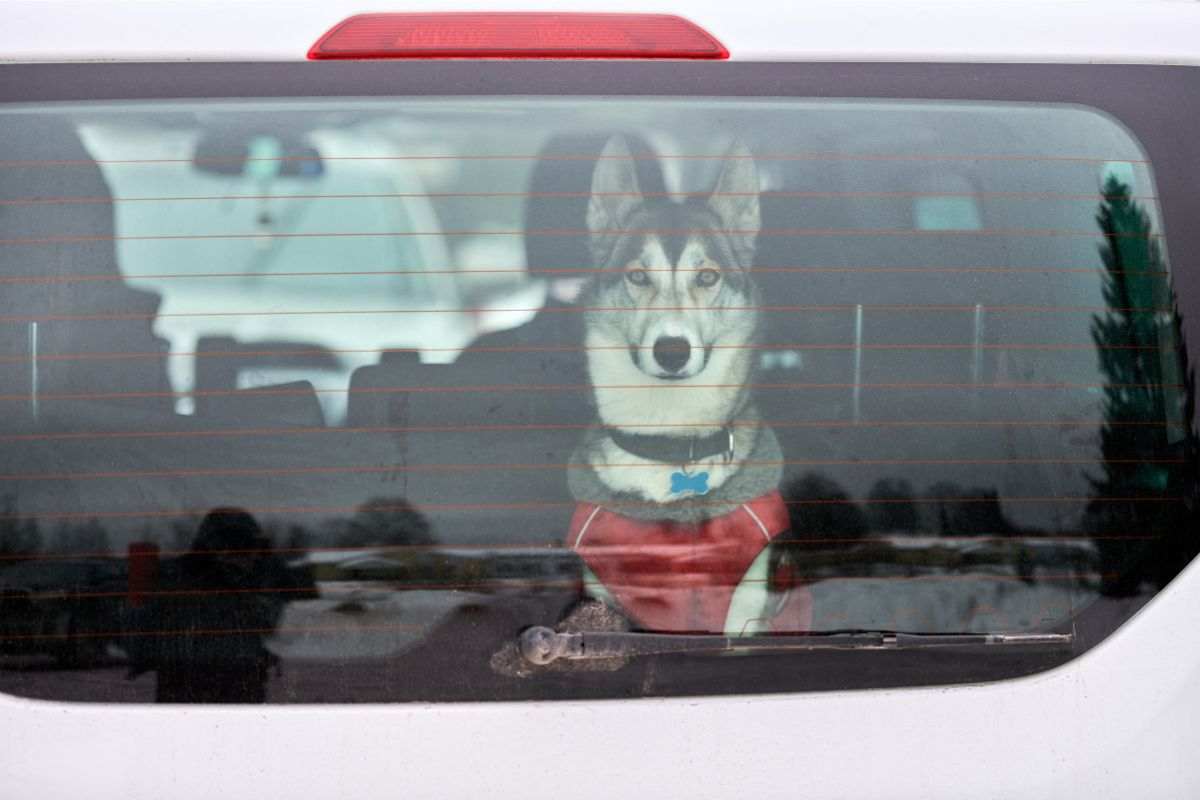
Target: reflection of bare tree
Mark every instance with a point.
(386, 522)
(893, 506)
(181, 530)
(967, 512)
(1143, 511)
(18, 537)
(819, 508)
(298, 540)
(89, 538)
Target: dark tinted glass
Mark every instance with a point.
(328, 401)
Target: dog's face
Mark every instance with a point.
(673, 305)
(676, 271)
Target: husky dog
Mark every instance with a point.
(670, 325)
(677, 484)
(678, 518)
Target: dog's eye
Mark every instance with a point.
(707, 277)
(638, 277)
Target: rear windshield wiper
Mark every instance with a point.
(541, 645)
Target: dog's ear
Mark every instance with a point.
(735, 200)
(615, 194)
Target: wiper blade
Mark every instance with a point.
(541, 645)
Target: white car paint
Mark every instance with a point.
(1119, 722)
(1159, 32)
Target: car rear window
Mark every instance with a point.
(330, 400)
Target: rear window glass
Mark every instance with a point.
(338, 400)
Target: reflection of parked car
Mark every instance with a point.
(70, 609)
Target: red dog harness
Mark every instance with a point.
(673, 576)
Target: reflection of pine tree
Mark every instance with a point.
(1148, 405)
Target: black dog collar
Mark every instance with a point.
(675, 449)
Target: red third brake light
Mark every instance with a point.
(517, 35)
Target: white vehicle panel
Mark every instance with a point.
(857, 30)
(1060, 734)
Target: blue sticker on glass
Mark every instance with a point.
(695, 484)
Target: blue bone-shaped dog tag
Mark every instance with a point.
(695, 484)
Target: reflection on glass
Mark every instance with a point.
(1143, 512)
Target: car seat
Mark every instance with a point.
(485, 410)
(67, 306)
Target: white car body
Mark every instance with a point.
(1151, 32)
(1118, 722)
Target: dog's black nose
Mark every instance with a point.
(672, 352)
